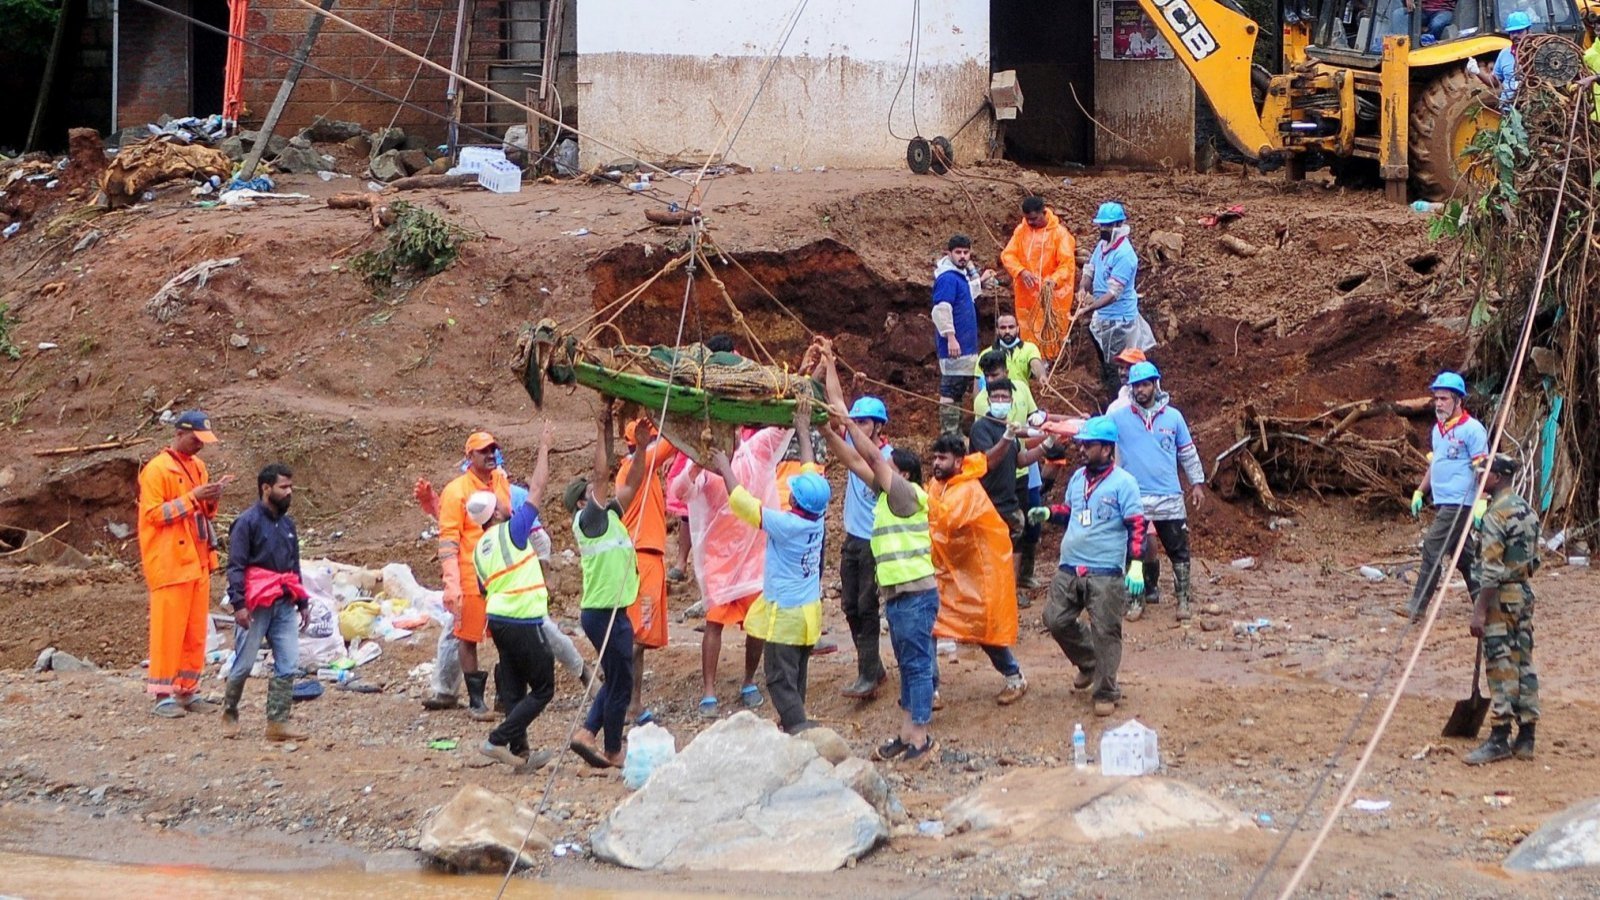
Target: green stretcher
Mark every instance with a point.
(684, 402)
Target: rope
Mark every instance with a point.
(1496, 434)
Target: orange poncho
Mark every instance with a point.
(972, 560)
(1049, 253)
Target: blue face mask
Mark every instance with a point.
(1000, 410)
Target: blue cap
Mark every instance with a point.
(869, 408)
(811, 492)
(1518, 21)
(1099, 428)
(1143, 371)
(198, 422)
(1449, 381)
(1110, 213)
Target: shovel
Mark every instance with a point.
(1466, 720)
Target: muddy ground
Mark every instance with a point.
(364, 393)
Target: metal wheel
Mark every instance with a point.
(919, 155)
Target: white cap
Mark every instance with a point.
(480, 506)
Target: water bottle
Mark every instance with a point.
(1080, 748)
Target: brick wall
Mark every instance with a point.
(154, 63)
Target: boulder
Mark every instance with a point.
(386, 166)
(301, 161)
(478, 831)
(386, 140)
(1570, 840)
(830, 746)
(743, 796)
(414, 161)
(865, 779)
(329, 130)
(66, 662)
(1063, 804)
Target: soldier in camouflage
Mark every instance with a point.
(1503, 615)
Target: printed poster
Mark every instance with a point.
(1127, 33)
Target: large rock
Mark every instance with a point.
(386, 140)
(743, 796)
(302, 161)
(478, 831)
(1083, 808)
(237, 146)
(1571, 840)
(386, 166)
(414, 161)
(330, 130)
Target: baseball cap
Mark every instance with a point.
(1130, 356)
(481, 440)
(198, 422)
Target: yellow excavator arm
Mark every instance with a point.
(1216, 42)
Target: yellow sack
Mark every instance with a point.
(355, 620)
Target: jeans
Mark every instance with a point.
(1436, 22)
(911, 637)
(526, 665)
(954, 387)
(610, 707)
(858, 576)
(1097, 648)
(280, 625)
(1448, 523)
(1002, 659)
(786, 668)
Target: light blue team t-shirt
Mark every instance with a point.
(1097, 530)
(1116, 260)
(1505, 69)
(793, 572)
(1450, 474)
(859, 502)
(1150, 453)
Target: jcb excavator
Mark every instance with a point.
(1376, 80)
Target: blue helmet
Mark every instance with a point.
(869, 408)
(1143, 371)
(1099, 428)
(811, 492)
(1518, 21)
(1110, 213)
(1449, 381)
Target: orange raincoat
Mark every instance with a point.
(1049, 253)
(972, 560)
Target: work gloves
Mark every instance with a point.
(1416, 503)
(1478, 509)
(1135, 578)
(1038, 515)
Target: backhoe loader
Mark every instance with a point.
(1364, 82)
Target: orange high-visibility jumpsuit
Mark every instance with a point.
(175, 549)
(1050, 253)
(646, 520)
(458, 537)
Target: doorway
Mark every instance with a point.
(1050, 44)
(208, 57)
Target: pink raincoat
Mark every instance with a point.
(730, 556)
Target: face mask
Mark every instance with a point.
(999, 410)
(1107, 233)
(1009, 343)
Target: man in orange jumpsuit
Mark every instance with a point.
(646, 519)
(1042, 251)
(177, 505)
(458, 538)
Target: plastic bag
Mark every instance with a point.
(400, 583)
(357, 618)
(649, 746)
(972, 559)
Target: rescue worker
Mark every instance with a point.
(1458, 441)
(269, 602)
(458, 536)
(857, 565)
(957, 284)
(1503, 615)
(1018, 362)
(787, 615)
(994, 434)
(902, 549)
(177, 509)
(1109, 293)
(646, 518)
(1503, 75)
(610, 586)
(1153, 442)
(1125, 361)
(1100, 567)
(1024, 363)
(972, 561)
(1042, 259)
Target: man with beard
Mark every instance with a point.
(1042, 258)
(1459, 441)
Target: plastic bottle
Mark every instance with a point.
(1080, 748)
(1424, 207)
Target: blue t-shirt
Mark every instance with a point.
(1116, 260)
(1450, 474)
(1102, 541)
(1505, 69)
(1150, 452)
(793, 572)
(860, 500)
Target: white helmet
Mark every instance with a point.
(480, 507)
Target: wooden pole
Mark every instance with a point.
(49, 77)
(264, 136)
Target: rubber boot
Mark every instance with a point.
(476, 709)
(869, 670)
(230, 708)
(1027, 579)
(1180, 587)
(500, 696)
(949, 418)
(1523, 748)
(1496, 748)
(280, 697)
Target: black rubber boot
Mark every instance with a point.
(949, 418)
(230, 707)
(1496, 748)
(869, 670)
(1180, 587)
(500, 697)
(1523, 748)
(476, 709)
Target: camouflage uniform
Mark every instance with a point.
(1508, 558)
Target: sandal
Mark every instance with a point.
(708, 707)
(750, 696)
(921, 754)
(589, 754)
(890, 750)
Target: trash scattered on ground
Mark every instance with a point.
(1370, 805)
(1251, 628)
(649, 746)
(444, 744)
(148, 163)
(581, 232)
(1499, 799)
(1244, 562)
(566, 849)
(1372, 573)
(1212, 220)
(1130, 749)
(930, 828)
(1264, 819)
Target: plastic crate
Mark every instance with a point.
(501, 177)
(476, 159)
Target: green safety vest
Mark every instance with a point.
(513, 580)
(610, 565)
(902, 547)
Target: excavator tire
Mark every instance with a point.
(1445, 115)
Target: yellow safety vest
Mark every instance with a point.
(902, 547)
(610, 566)
(513, 580)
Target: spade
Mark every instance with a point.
(1466, 720)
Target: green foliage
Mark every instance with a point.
(420, 243)
(1503, 151)
(1448, 222)
(8, 347)
(27, 26)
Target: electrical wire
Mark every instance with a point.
(913, 44)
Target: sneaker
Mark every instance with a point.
(537, 759)
(501, 753)
(890, 750)
(1084, 679)
(750, 696)
(920, 755)
(168, 708)
(1016, 687)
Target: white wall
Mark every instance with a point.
(666, 78)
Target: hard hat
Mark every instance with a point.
(1143, 371)
(869, 408)
(480, 507)
(1130, 356)
(1449, 381)
(811, 492)
(480, 440)
(1099, 428)
(1518, 21)
(1110, 213)
(1501, 464)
